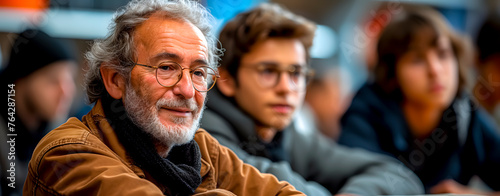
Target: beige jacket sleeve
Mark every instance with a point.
(74, 162)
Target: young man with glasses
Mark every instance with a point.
(264, 72)
(148, 80)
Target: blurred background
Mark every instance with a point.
(343, 50)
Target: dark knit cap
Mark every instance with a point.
(33, 50)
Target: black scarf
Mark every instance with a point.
(179, 172)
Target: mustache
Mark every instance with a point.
(174, 103)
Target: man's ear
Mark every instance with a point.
(114, 82)
(226, 83)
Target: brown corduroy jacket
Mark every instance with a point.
(86, 158)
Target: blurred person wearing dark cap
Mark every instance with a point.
(39, 77)
(487, 87)
(418, 110)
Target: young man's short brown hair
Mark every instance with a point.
(402, 31)
(261, 23)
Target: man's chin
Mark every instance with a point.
(280, 123)
(177, 134)
(184, 137)
(183, 123)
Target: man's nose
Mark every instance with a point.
(185, 85)
(284, 83)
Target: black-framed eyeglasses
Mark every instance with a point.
(169, 73)
(269, 74)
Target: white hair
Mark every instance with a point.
(117, 50)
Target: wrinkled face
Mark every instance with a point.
(271, 105)
(428, 75)
(50, 90)
(171, 114)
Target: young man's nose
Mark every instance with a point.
(284, 83)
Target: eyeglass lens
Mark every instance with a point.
(169, 73)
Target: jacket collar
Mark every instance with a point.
(96, 121)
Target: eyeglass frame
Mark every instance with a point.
(308, 72)
(182, 74)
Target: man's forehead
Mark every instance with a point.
(158, 24)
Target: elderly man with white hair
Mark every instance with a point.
(148, 80)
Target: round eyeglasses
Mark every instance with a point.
(269, 74)
(169, 73)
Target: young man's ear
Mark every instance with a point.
(226, 83)
(114, 82)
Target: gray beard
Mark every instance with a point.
(145, 116)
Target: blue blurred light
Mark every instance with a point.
(61, 23)
(324, 43)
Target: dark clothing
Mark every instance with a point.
(464, 144)
(18, 144)
(310, 162)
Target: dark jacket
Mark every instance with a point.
(86, 158)
(309, 161)
(464, 144)
(18, 143)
